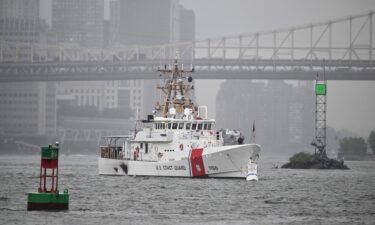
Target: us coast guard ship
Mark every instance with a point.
(178, 140)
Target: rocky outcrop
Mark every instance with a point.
(304, 160)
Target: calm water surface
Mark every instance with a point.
(281, 196)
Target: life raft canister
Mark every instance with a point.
(181, 147)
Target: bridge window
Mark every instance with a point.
(205, 126)
(194, 126)
(209, 126)
(200, 126)
(163, 126)
(188, 125)
(169, 125)
(174, 126)
(181, 126)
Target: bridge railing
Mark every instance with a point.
(348, 41)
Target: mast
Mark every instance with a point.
(176, 102)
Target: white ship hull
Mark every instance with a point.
(221, 162)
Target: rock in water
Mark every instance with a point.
(304, 160)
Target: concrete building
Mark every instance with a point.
(28, 109)
(142, 22)
(82, 22)
(187, 30)
(25, 108)
(131, 23)
(20, 9)
(78, 21)
(114, 22)
(20, 22)
(105, 94)
(283, 113)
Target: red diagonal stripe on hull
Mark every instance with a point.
(196, 162)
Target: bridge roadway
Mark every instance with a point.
(205, 68)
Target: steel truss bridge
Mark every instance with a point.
(343, 47)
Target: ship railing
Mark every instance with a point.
(111, 152)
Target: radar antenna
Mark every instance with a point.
(176, 91)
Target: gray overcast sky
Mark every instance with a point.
(215, 18)
(351, 104)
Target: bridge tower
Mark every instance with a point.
(320, 116)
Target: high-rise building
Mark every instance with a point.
(25, 108)
(283, 113)
(20, 22)
(20, 9)
(82, 22)
(78, 21)
(142, 22)
(114, 22)
(105, 94)
(28, 108)
(187, 24)
(187, 30)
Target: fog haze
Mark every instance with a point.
(107, 24)
(114, 88)
(351, 104)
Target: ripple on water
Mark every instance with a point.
(279, 197)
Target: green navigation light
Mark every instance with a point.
(320, 89)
